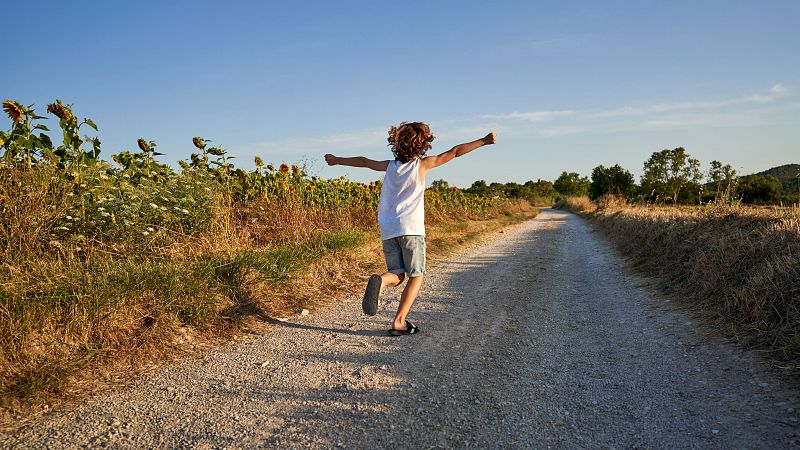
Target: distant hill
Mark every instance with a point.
(787, 174)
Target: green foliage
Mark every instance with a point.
(612, 180)
(542, 188)
(759, 189)
(789, 176)
(671, 175)
(571, 184)
(540, 192)
(440, 184)
(722, 181)
(141, 204)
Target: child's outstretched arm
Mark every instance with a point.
(357, 161)
(459, 150)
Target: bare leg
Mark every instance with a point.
(406, 300)
(392, 279)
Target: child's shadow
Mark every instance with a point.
(326, 330)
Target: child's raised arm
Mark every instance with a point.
(459, 150)
(357, 161)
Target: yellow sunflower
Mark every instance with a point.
(60, 111)
(14, 110)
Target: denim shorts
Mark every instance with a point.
(405, 254)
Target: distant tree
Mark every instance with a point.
(669, 174)
(440, 184)
(571, 184)
(541, 188)
(478, 184)
(612, 180)
(513, 190)
(497, 188)
(723, 179)
(759, 189)
(481, 188)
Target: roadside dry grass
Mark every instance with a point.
(576, 204)
(738, 267)
(77, 324)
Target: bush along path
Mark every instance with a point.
(536, 338)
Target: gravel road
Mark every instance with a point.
(537, 338)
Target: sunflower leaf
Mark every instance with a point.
(45, 140)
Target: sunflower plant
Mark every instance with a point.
(21, 144)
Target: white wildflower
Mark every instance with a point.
(145, 233)
(101, 209)
(69, 217)
(150, 229)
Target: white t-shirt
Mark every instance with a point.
(401, 211)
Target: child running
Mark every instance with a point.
(401, 213)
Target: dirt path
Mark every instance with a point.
(535, 339)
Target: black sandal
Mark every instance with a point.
(410, 329)
(370, 303)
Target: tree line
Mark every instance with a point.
(670, 176)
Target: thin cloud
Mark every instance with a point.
(355, 140)
(704, 120)
(474, 132)
(775, 92)
(532, 116)
(558, 131)
(556, 123)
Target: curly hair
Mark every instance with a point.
(410, 140)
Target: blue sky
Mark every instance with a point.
(566, 85)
